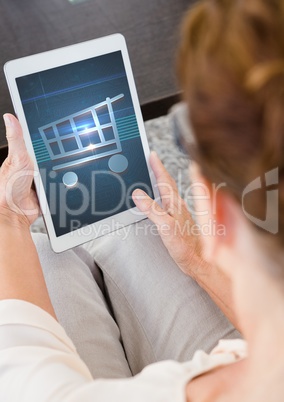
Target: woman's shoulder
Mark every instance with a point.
(225, 353)
(237, 347)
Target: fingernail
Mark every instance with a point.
(138, 194)
(7, 120)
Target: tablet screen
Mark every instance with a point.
(86, 140)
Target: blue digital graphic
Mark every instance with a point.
(86, 139)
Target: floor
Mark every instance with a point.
(151, 28)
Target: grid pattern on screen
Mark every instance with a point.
(92, 129)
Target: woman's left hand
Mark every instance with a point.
(18, 201)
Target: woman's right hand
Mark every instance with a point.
(173, 220)
(182, 237)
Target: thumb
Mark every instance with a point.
(150, 208)
(14, 135)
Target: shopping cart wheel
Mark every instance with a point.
(70, 179)
(118, 163)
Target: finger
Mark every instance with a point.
(161, 173)
(166, 184)
(150, 208)
(16, 144)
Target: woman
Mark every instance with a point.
(232, 71)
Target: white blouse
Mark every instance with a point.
(38, 362)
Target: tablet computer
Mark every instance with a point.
(83, 127)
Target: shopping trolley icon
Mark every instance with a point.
(84, 136)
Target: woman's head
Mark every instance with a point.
(231, 67)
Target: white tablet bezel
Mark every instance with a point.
(59, 57)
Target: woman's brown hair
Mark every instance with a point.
(231, 67)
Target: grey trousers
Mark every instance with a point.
(132, 306)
